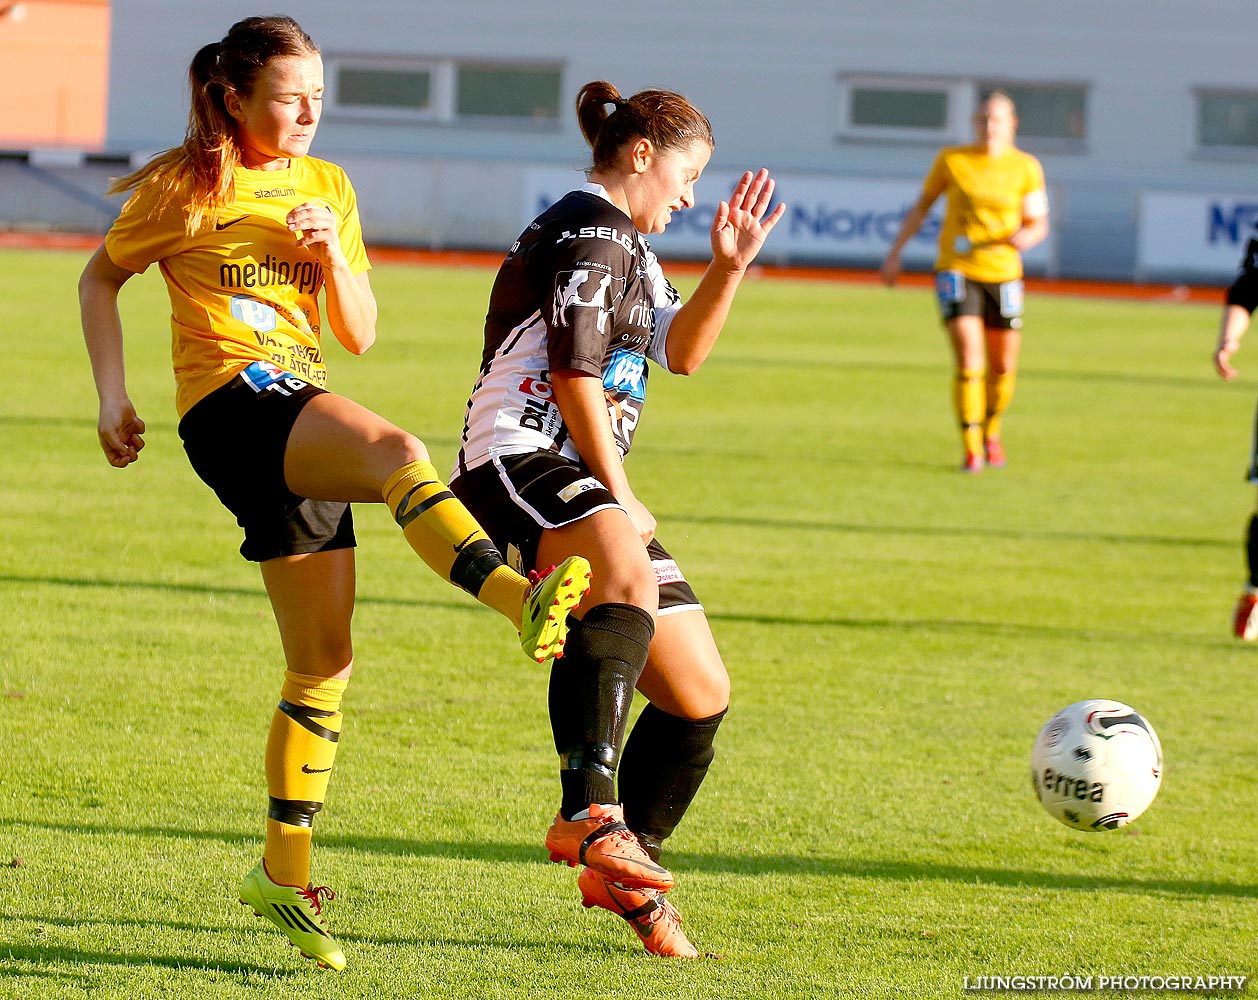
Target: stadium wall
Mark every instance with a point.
(772, 81)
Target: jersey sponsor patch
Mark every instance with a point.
(950, 287)
(573, 490)
(1011, 299)
(667, 571)
(263, 375)
(252, 313)
(625, 374)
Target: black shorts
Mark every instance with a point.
(1000, 304)
(517, 497)
(1252, 473)
(235, 439)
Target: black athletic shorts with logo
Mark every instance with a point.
(999, 303)
(516, 497)
(235, 438)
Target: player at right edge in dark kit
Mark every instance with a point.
(1238, 307)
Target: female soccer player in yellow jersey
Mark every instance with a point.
(248, 230)
(997, 208)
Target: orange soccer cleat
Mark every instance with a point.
(995, 453)
(653, 918)
(604, 843)
(1245, 617)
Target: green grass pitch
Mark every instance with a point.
(896, 632)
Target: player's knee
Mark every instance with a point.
(625, 582)
(706, 695)
(716, 693)
(403, 448)
(321, 655)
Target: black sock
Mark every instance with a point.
(665, 762)
(1251, 550)
(591, 691)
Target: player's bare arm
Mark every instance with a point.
(351, 303)
(119, 429)
(739, 229)
(584, 408)
(1232, 326)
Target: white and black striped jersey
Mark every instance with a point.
(1243, 290)
(580, 290)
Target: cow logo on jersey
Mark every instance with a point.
(625, 374)
(586, 288)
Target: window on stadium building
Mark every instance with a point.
(363, 87)
(893, 108)
(381, 88)
(1227, 120)
(1050, 116)
(508, 92)
(900, 108)
(368, 88)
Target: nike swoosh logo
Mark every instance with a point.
(307, 769)
(220, 226)
(638, 861)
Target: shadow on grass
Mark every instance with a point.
(732, 864)
(1206, 379)
(218, 590)
(51, 956)
(959, 531)
(899, 625)
(544, 945)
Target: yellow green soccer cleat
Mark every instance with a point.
(550, 597)
(295, 911)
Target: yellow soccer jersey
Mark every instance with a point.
(988, 197)
(241, 291)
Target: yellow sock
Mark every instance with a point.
(969, 400)
(446, 536)
(999, 394)
(299, 755)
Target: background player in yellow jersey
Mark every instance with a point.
(997, 207)
(248, 230)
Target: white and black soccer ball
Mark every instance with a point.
(1096, 765)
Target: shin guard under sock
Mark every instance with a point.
(446, 536)
(591, 691)
(1000, 387)
(969, 399)
(1251, 551)
(300, 752)
(665, 761)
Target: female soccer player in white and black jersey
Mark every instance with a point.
(579, 306)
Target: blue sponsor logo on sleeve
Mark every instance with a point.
(626, 374)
